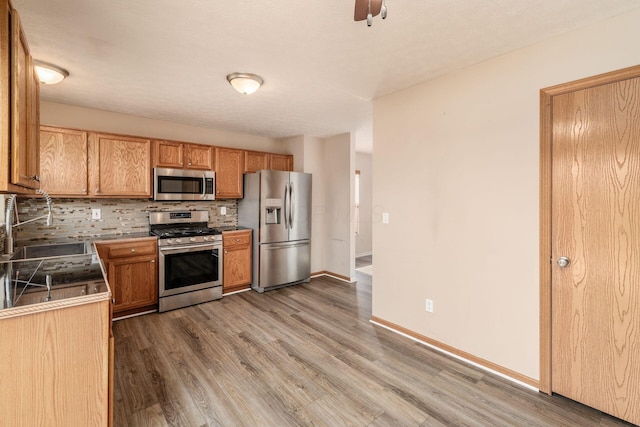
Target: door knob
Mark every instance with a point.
(563, 262)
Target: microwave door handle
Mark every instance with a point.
(204, 185)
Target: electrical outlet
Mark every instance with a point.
(429, 306)
(385, 217)
(223, 210)
(96, 214)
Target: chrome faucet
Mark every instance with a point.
(11, 208)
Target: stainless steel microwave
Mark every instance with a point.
(183, 184)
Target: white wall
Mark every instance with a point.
(364, 241)
(456, 166)
(71, 116)
(339, 156)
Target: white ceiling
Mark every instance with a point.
(168, 59)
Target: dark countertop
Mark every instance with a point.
(232, 228)
(68, 276)
(87, 239)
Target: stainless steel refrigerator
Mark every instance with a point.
(277, 206)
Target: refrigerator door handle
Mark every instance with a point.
(286, 207)
(291, 201)
(276, 247)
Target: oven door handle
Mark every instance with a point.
(181, 248)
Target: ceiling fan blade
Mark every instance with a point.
(362, 9)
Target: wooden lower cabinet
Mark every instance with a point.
(236, 269)
(55, 364)
(132, 272)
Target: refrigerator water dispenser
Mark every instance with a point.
(273, 212)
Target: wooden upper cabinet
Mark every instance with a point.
(168, 154)
(229, 170)
(25, 101)
(281, 162)
(172, 154)
(119, 166)
(199, 156)
(255, 161)
(63, 161)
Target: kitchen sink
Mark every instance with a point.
(49, 251)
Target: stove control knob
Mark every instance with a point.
(169, 241)
(192, 239)
(206, 238)
(178, 240)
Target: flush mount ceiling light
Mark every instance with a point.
(50, 74)
(245, 83)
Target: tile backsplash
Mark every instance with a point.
(72, 217)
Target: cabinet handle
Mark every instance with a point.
(35, 178)
(133, 250)
(226, 252)
(237, 240)
(153, 261)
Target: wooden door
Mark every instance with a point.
(119, 166)
(134, 283)
(25, 108)
(199, 157)
(63, 161)
(595, 222)
(237, 260)
(281, 162)
(255, 161)
(168, 154)
(229, 170)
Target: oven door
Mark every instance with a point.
(189, 268)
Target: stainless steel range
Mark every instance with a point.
(190, 258)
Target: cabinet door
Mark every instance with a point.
(133, 282)
(25, 105)
(63, 161)
(119, 166)
(229, 169)
(236, 272)
(199, 157)
(281, 162)
(168, 154)
(255, 161)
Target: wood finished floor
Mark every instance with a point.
(307, 355)
(363, 261)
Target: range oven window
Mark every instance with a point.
(179, 185)
(191, 268)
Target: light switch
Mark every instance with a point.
(385, 217)
(96, 214)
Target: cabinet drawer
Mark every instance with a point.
(236, 239)
(126, 250)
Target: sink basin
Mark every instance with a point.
(49, 251)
